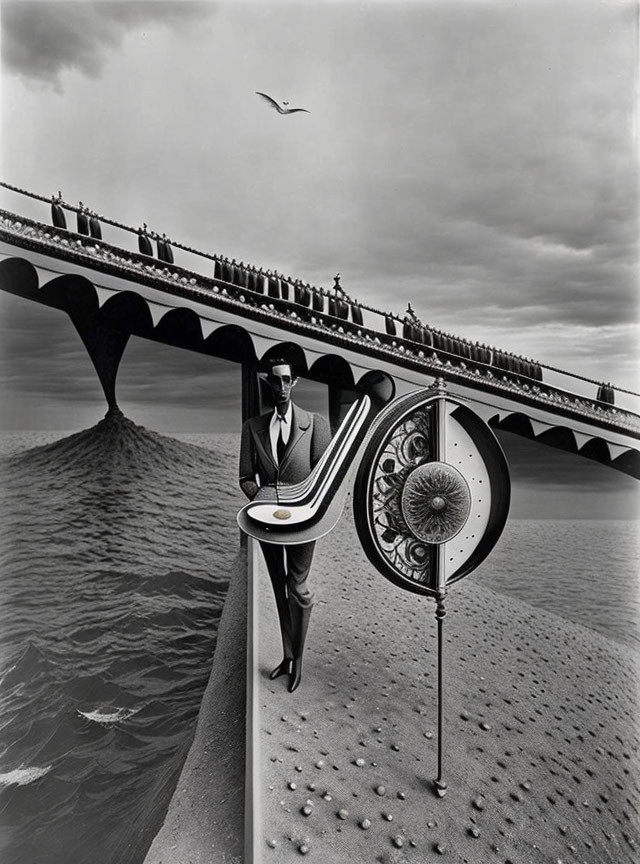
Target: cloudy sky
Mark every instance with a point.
(477, 159)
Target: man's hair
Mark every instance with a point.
(280, 362)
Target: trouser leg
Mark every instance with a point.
(274, 556)
(300, 604)
(298, 566)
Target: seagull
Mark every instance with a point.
(281, 109)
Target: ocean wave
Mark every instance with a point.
(108, 718)
(23, 776)
(29, 664)
(116, 552)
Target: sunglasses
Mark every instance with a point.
(278, 379)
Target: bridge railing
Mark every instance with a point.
(332, 309)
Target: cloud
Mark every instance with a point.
(43, 39)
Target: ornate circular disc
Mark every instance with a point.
(435, 502)
(432, 491)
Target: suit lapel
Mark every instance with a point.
(263, 440)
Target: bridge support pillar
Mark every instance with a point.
(251, 395)
(105, 346)
(251, 406)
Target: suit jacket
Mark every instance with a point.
(309, 438)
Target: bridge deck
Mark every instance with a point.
(498, 394)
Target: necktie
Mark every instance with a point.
(280, 445)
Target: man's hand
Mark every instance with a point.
(250, 489)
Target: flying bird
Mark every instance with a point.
(281, 109)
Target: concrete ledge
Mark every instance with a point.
(205, 819)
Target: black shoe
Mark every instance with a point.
(284, 668)
(295, 675)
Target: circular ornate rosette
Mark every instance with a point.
(432, 492)
(435, 502)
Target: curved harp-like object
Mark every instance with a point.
(306, 511)
(432, 492)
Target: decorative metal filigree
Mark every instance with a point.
(435, 502)
(407, 448)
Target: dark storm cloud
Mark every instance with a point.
(42, 39)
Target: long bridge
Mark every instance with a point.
(205, 303)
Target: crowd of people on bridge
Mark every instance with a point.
(334, 306)
(87, 221)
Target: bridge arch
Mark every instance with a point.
(112, 293)
(333, 370)
(231, 342)
(337, 374)
(179, 327)
(127, 310)
(19, 277)
(559, 437)
(73, 293)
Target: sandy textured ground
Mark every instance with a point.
(541, 753)
(205, 820)
(541, 748)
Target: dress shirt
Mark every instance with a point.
(274, 430)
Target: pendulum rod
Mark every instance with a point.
(439, 783)
(441, 454)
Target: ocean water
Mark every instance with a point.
(587, 571)
(116, 549)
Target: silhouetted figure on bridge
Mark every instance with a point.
(94, 225)
(165, 253)
(168, 249)
(337, 287)
(273, 285)
(606, 394)
(58, 218)
(144, 243)
(82, 220)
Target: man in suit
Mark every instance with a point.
(282, 447)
